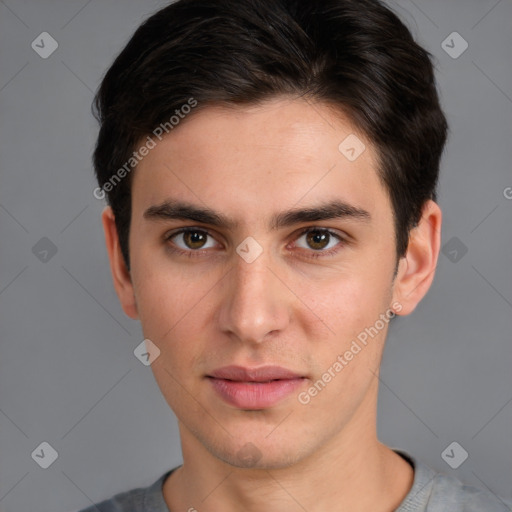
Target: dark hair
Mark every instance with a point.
(355, 55)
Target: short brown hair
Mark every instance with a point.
(353, 54)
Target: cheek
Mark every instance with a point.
(175, 308)
(350, 306)
(347, 304)
(348, 357)
(173, 315)
(158, 305)
(165, 291)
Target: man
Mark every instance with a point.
(271, 172)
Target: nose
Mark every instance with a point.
(255, 303)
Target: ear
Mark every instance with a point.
(120, 274)
(417, 268)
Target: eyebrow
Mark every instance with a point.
(180, 210)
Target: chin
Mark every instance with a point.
(260, 453)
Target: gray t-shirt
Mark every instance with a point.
(431, 492)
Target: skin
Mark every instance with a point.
(285, 308)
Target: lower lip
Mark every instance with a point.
(258, 395)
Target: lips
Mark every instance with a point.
(262, 374)
(254, 388)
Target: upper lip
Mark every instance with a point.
(261, 374)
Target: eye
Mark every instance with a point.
(191, 239)
(319, 240)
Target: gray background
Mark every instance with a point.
(68, 375)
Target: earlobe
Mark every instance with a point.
(417, 268)
(120, 274)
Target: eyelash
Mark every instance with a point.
(313, 254)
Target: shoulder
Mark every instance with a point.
(140, 499)
(433, 491)
(128, 501)
(449, 493)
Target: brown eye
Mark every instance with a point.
(318, 240)
(194, 239)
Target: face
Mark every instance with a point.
(256, 243)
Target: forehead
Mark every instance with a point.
(282, 153)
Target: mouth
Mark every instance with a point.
(254, 388)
